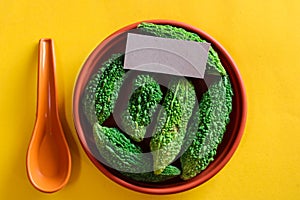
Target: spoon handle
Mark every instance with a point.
(47, 102)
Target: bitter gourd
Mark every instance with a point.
(102, 90)
(141, 106)
(119, 152)
(214, 109)
(172, 122)
(168, 31)
(168, 173)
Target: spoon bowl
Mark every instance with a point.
(48, 157)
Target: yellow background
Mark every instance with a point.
(263, 37)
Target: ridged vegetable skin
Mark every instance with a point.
(102, 90)
(214, 109)
(142, 104)
(172, 122)
(119, 152)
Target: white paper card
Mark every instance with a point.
(164, 55)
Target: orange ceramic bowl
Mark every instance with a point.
(116, 43)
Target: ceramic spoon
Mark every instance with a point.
(48, 157)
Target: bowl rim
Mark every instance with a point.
(242, 106)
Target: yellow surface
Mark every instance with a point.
(262, 36)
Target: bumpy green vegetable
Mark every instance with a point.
(102, 90)
(119, 152)
(172, 123)
(167, 31)
(168, 173)
(142, 104)
(214, 109)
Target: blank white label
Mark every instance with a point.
(164, 55)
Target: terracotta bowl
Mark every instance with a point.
(116, 43)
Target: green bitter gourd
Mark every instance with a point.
(102, 90)
(172, 122)
(119, 152)
(141, 106)
(214, 109)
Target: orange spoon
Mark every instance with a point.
(48, 157)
